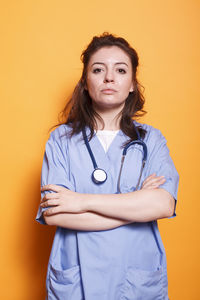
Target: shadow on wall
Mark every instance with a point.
(35, 243)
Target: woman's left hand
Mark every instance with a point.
(153, 182)
(61, 201)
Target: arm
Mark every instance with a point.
(139, 206)
(64, 203)
(84, 221)
(80, 205)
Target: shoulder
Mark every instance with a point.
(62, 138)
(59, 138)
(61, 132)
(152, 135)
(154, 139)
(156, 142)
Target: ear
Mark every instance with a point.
(131, 88)
(83, 82)
(85, 86)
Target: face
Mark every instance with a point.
(109, 78)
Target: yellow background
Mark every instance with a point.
(41, 42)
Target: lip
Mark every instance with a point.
(108, 91)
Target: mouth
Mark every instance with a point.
(108, 91)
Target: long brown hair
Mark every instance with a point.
(79, 111)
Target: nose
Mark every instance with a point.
(109, 76)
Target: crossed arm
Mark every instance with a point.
(95, 212)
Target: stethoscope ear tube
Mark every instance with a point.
(139, 142)
(144, 146)
(120, 172)
(142, 168)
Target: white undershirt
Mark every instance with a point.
(106, 137)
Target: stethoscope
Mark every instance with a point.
(99, 175)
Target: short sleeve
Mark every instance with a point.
(55, 168)
(160, 163)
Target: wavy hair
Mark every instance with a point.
(79, 111)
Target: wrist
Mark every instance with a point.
(84, 202)
(90, 201)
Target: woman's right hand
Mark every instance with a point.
(153, 182)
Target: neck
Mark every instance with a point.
(110, 118)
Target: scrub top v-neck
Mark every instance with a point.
(106, 137)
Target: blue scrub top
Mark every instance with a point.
(125, 263)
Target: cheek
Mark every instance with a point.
(92, 86)
(91, 89)
(126, 87)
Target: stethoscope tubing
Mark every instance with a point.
(89, 148)
(132, 143)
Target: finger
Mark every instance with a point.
(155, 181)
(157, 184)
(51, 187)
(49, 203)
(159, 180)
(52, 211)
(148, 180)
(49, 196)
(149, 177)
(154, 185)
(149, 187)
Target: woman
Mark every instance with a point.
(107, 245)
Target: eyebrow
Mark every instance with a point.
(118, 63)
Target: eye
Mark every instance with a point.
(97, 70)
(121, 70)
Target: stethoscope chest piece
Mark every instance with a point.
(99, 176)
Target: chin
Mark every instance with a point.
(109, 105)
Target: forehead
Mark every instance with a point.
(112, 54)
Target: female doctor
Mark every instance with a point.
(106, 180)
